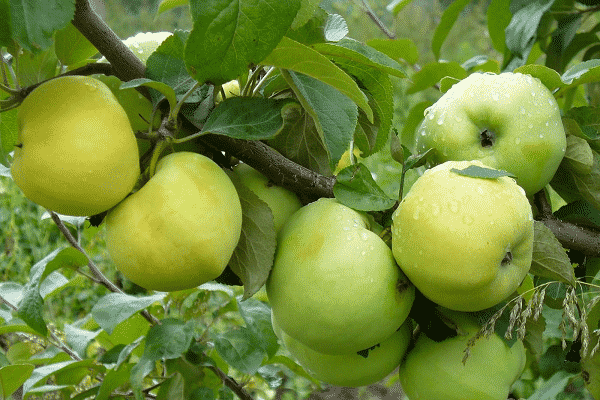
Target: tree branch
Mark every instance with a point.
(570, 235)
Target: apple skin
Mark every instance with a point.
(335, 286)
(282, 202)
(451, 233)
(435, 371)
(77, 154)
(353, 369)
(516, 109)
(180, 229)
(231, 88)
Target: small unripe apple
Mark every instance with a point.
(77, 154)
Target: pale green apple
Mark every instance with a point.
(76, 152)
(466, 243)
(180, 229)
(435, 370)
(508, 121)
(282, 202)
(335, 286)
(353, 369)
(231, 88)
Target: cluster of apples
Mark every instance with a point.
(463, 236)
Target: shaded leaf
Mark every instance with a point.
(12, 377)
(114, 308)
(432, 73)
(356, 188)
(397, 49)
(446, 23)
(475, 171)
(257, 316)
(241, 349)
(549, 258)
(71, 47)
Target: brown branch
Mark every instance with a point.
(570, 235)
(231, 383)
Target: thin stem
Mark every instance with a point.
(175, 110)
(378, 22)
(262, 81)
(100, 278)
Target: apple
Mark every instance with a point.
(435, 370)
(180, 229)
(353, 369)
(231, 88)
(282, 202)
(143, 44)
(76, 152)
(334, 285)
(466, 243)
(508, 121)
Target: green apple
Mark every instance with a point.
(144, 44)
(353, 369)
(231, 88)
(508, 121)
(466, 243)
(180, 229)
(435, 370)
(76, 152)
(335, 286)
(282, 202)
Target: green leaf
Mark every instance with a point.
(228, 36)
(241, 349)
(498, 18)
(448, 19)
(584, 72)
(114, 308)
(578, 156)
(5, 33)
(79, 339)
(172, 388)
(356, 188)
(584, 122)
(553, 387)
(168, 340)
(413, 120)
(8, 132)
(476, 171)
(589, 184)
(350, 50)
(41, 374)
(549, 258)
(36, 67)
(33, 22)
(166, 64)
(549, 77)
(294, 56)
(307, 10)
(313, 30)
(71, 47)
(114, 378)
(301, 142)
(397, 5)
(163, 88)
(432, 73)
(252, 259)
(12, 377)
(380, 91)
(250, 118)
(579, 212)
(66, 258)
(397, 49)
(257, 316)
(335, 115)
(522, 29)
(166, 5)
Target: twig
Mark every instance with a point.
(377, 21)
(98, 275)
(231, 383)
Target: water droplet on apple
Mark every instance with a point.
(416, 213)
(349, 237)
(541, 135)
(346, 228)
(491, 222)
(364, 236)
(338, 217)
(517, 140)
(495, 96)
(371, 248)
(136, 46)
(420, 252)
(530, 126)
(91, 88)
(363, 253)
(467, 220)
(523, 111)
(458, 119)
(547, 123)
(431, 116)
(532, 93)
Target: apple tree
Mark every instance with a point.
(233, 171)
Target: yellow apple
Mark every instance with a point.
(435, 370)
(353, 369)
(335, 286)
(77, 154)
(282, 202)
(180, 229)
(466, 243)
